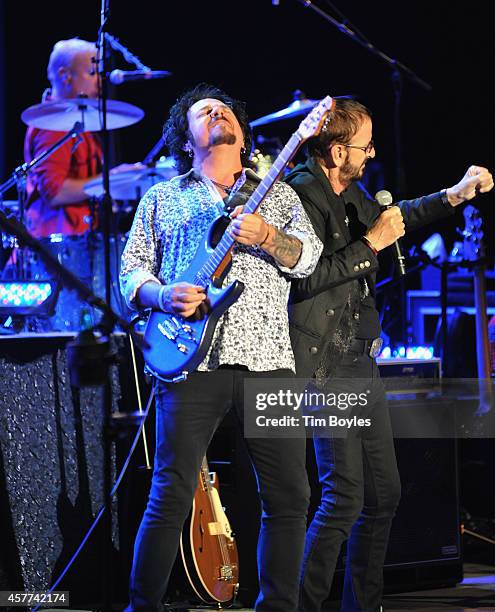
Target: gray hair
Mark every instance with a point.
(63, 54)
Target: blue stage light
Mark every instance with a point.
(19, 297)
(410, 352)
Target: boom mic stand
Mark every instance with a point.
(104, 39)
(105, 210)
(398, 70)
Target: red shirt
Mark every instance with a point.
(45, 181)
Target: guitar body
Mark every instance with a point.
(208, 549)
(178, 345)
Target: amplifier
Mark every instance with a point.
(415, 368)
(406, 376)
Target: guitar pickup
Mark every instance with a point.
(226, 572)
(176, 323)
(165, 332)
(215, 528)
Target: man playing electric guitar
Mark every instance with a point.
(207, 133)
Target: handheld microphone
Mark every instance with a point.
(117, 77)
(386, 201)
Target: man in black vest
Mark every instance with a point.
(335, 331)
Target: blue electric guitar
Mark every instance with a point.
(176, 346)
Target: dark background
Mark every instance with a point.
(261, 53)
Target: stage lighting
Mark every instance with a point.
(23, 297)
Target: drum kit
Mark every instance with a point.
(83, 254)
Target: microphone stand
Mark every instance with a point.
(155, 149)
(129, 57)
(19, 177)
(398, 69)
(21, 172)
(105, 212)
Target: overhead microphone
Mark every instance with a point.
(117, 77)
(386, 201)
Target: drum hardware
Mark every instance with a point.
(15, 227)
(61, 115)
(300, 106)
(154, 151)
(83, 254)
(74, 115)
(19, 176)
(132, 184)
(8, 242)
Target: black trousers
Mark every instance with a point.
(360, 492)
(188, 414)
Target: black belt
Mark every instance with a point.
(370, 346)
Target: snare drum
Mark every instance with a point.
(83, 255)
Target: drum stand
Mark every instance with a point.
(21, 172)
(19, 178)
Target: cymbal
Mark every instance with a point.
(60, 115)
(299, 106)
(132, 184)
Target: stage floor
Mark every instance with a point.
(475, 593)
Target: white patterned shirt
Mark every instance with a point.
(168, 226)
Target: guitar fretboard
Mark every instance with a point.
(208, 269)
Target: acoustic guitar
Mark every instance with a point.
(207, 544)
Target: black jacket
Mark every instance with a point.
(318, 301)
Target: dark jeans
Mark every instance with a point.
(360, 492)
(188, 414)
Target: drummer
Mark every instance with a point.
(56, 202)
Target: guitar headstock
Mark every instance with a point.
(473, 234)
(312, 124)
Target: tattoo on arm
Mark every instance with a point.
(285, 249)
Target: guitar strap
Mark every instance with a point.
(235, 198)
(241, 196)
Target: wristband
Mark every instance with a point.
(369, 245)
(161, 293)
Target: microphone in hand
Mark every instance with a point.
(389, 227)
